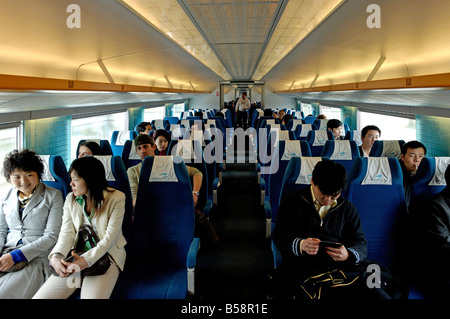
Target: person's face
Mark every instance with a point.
(412, 158)
(337, 131)
(370, 138)
(161, 143)
(84, 151)
(25, 182)
(322, 198)
(148, 128)
(145, 150)
(281, 114)
(78, 184)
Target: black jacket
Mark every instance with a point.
(298, 219)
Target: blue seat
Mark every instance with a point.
(292, 124)
(104, 145)
(316, 140)
(273, 179)
(162, 251)
(116, 175)
(310, 119)
(429, 180)
(297, 176)
(55, 174)
(341, 151)
(301, 130)
(129, 155)
(118, 140)
(192, 153)
(375, 187)
(387, 148)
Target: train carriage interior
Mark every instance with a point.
(84, 70)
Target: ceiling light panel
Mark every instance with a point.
(236, 30)
(299, 18)
(170, 19)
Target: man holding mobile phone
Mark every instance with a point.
(318, 214)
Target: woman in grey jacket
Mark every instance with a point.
(30, 221)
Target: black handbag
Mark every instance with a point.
(86, 234)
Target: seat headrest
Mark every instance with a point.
(96, 140)
(320, 137)
(306, 169)
(163, 169)
(391, 148)
(342, 150)
(295, 122)
(122, 137)
(133, 155)
(439, 172)
(159, 124)
(46, 174)
(185, 149)
(305, 129)
(106, 161)
(291, 149)
(378, 172)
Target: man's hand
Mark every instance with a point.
(310, 246)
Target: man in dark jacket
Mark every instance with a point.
(313, 215)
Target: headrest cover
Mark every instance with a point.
(106, 161)
(305, 129)
(159, 124)
(46, 174)
(378, 172)
(186, 123)
(122, 137)
(96, 140)
(342, 150)
(295, 122)
(320, 137)
(270, 122)
(283, 135)
(323, 124)
(391, 149)
(163, 170)
(133, 155)
(291, 149)
(357, 137)
(439, 173)
(185, 149)
(306, 169)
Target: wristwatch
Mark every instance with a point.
(196, 193)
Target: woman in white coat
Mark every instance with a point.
(90, 202)
(30, 221)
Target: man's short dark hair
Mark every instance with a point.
(413, 144)
(143, 139)
(333, 123)
(369, 128)
(141, 127)
(330, 177)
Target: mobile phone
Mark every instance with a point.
(324, 243)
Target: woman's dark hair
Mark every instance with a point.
(93, 172)
(25, 160)
(94, 147)
(161, 132)
(330, 177)
(333, 123)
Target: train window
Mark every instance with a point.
(9, 141)
(96, 127)
(154, 113)
(306, 108)
(177, 109)
(331, 112)
(392, 127)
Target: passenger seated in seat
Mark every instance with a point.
(436, 224)
(162, 140)
(412, 154)
(144, 128)
(369, 134)
(89, 149)
(310, 216)
(336, 127)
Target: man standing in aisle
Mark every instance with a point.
(242, 105)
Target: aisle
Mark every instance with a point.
(235, 268)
